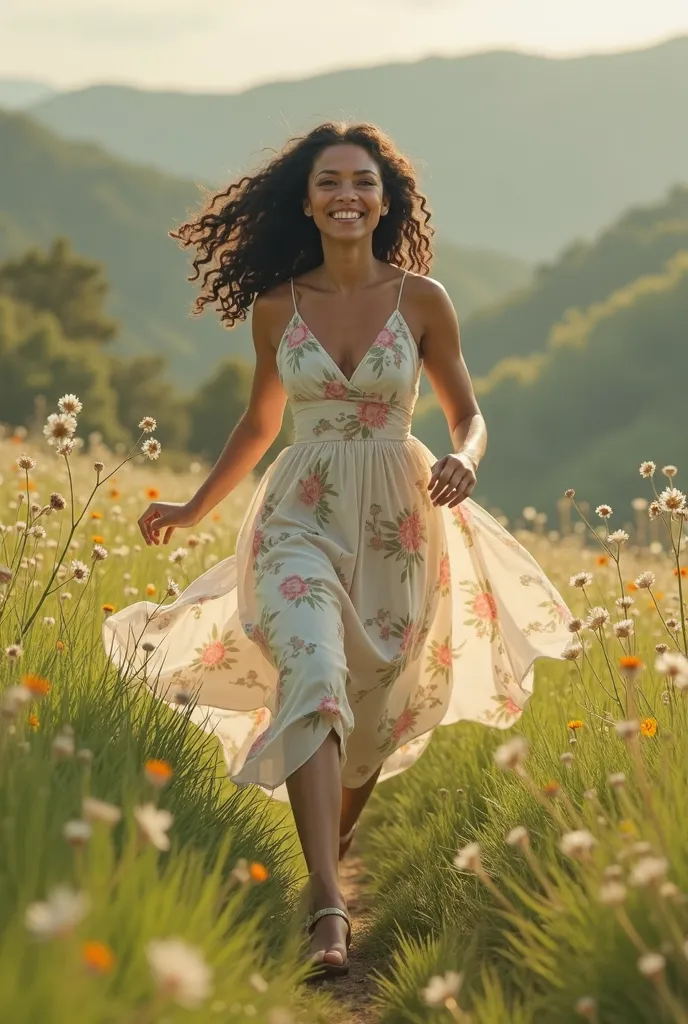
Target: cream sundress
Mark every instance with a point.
(352, 602)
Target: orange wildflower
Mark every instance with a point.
(114, 493)
(630, 665)
(31, 485)
(683, 572)
(158, 772)
(60, 645)
(648, 727)
(631, 587)
(98, 957)
(659, 594)
(97, 539)
(602, 560)
(575, 723)
(551, 788)
(151, 589)
(37, 685)
(153, 493)
(96, 515)
(108, 608)
(217, 518)
(258, 872)
(32, 722)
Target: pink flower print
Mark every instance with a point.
(386, 338)
(372, 414)
(385, 633)
(411, 531)
(297, 335)
(461, 515)
(509, 707)
(408, 637)
(376, 542)
(311, 489)
(562, 611)
(443, 654)
(445, 571)
(485, 607)
(335, 389)
(404, 723)
(213, 653)
(329, 706)
(292, 587)
(257, 541)
(260, 716)
(258, 743)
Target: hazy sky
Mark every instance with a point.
(222, 45)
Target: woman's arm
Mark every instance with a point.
(447, 372)
(258, 426)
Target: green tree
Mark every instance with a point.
(59, 281)
(141, 389)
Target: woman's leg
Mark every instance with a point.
(353, 802)
(315, 793)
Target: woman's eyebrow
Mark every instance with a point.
(366, 171)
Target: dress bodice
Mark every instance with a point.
(375, 403)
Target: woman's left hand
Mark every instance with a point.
(453, 478)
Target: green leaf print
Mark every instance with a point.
(296, 589)
(214, 654)
(402, 538)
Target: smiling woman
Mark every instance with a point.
(369, 600)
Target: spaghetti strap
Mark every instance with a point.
(401, 287)
(293, 296)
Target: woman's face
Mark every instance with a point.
(345, 196)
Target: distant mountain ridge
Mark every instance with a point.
(518, 153)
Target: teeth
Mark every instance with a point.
(346, 215)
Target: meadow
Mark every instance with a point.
(536, 875)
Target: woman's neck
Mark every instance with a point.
(348, 268)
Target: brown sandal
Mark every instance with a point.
(325, 969)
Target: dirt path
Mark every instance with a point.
(354, 992)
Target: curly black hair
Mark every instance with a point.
(260, 237)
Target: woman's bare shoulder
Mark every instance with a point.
(272, 311)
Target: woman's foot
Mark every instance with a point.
(330, 934)
(346, 840)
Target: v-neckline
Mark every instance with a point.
(349, 380)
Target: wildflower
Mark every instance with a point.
(158, 773)
(58, 915)
(623, 629)
(147, 424)
(551, 789)
(574, 723)
(153, 825)
(648, 871)
(150, 589)
(630, 665)
(616, 780)
(567, 758)
(99, 553)
(33, 722)
(6, 574)
(468, 858)
(241, 872)
(98, 957)
(651, 965)
(148, 647)
(673, 624)
(613, 872)
(602, 560)
(573, 650)
(586, 1007)
(660, 649)
(178, 555)
(152, 493)
(669, 891)
(440, 988)
(626, 730)
(99, 466)
(60, 645)
(618, 537)
(70, 404)
(647, 469)
(13, 700)
(57, 502)
(669, 471)
(63, 746)
(99, 810)
(624, 602)
(512, 754)
(258, 872)
(577, 844)
(36, 685)
(654, 509)
(108, 609)
(172, 589)
(180, 972)
(79, 570)
(626, 827)
(648, 727)
(518, 837)
(671, 663)
(77, 833)
(597, 617)
(671, 500)
(604, 511)
(574, 625)
(59, 428)
(151, 448)
(581, 579)
(257, 982)
(14, 652)
(612, 894)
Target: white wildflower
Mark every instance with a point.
(60, 428)
(597, 617)
(648, 871)
(512, 754)
(669, 471)
(651, 965)
(581, 579)
(618, 537)
(79, 570)
(572, 650)
(518, 836)
(178, 555)
(604, 511)
(77, 833)
(14, 652)
(647, 469)
(624, 628)
(645, 580)
(612, 894)
(468, 858)
(151, 448)
(626, 730)
(99, 810)
(70, 404)
(58, 915)
(147, 424)
(13, 700)
(99, 553)
(440, 988)
(180, 971)
(153, 823)
(671, 500)
(578, 843)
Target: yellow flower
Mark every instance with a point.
(627, 827)
(648, 727)
(258, 872)
(98, 957)
(575, 723)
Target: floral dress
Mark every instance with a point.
(352, 602)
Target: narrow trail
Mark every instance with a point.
(353, 993)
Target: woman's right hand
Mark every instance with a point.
(167, 516)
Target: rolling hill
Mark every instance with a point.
(120, 213)
(518, 153)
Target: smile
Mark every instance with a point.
(346, 215)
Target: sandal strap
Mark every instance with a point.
(312, 919)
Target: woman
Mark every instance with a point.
(369, 599)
